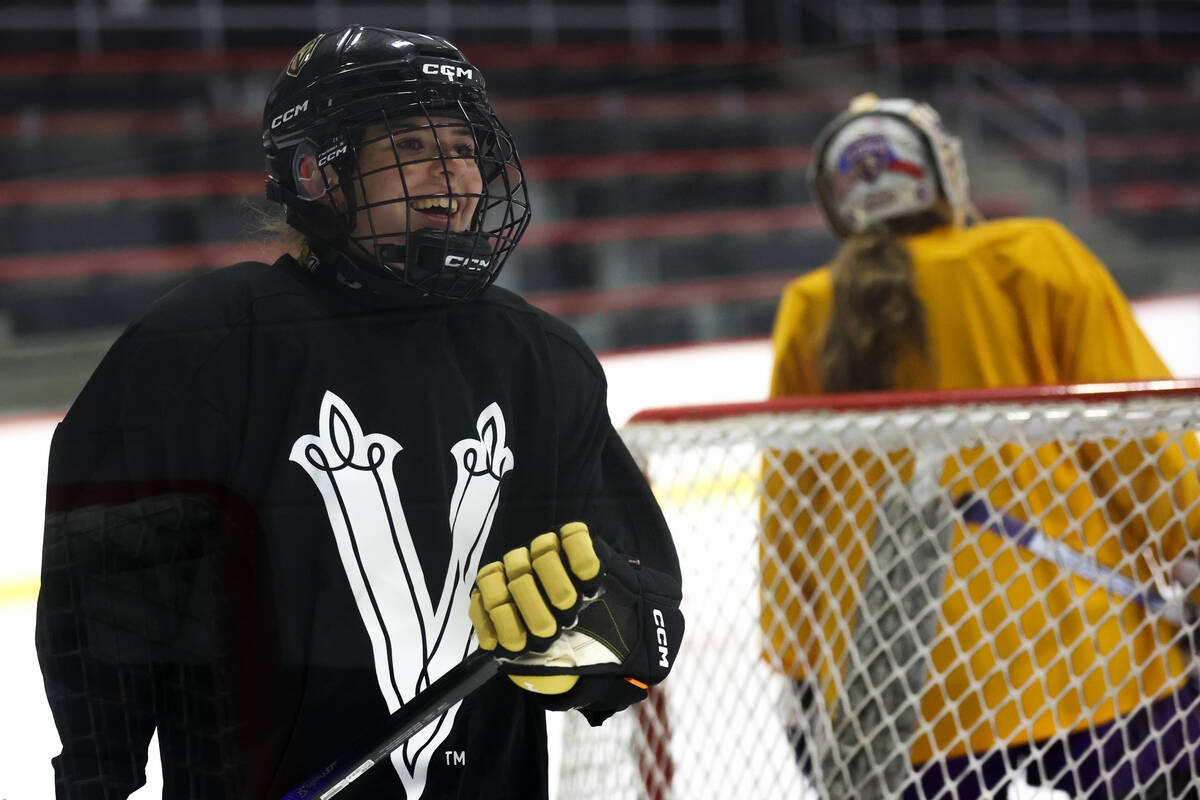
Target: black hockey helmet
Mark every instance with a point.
(365, 87)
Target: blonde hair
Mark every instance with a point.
(875, 310)
(269, 224)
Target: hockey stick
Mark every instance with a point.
(467, 676)
(1180, 612)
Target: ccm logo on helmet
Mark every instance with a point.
(333, 152)
(661, 635)
(449, 71)
(289, 115)
(466, 262)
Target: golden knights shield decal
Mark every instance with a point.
(302, 56)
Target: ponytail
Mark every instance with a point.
(875, 312)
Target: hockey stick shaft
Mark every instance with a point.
(976, 510)
(470, 673)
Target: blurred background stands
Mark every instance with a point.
(666, 144)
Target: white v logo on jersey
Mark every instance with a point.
(415, 638)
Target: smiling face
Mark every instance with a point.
(419, 176)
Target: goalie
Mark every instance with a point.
(923, 294)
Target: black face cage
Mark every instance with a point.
(464, 254)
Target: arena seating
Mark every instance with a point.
(668, 183)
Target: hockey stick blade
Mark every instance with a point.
(470, 673)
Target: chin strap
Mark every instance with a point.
(331, 264)
(315, 220)
(322, 255)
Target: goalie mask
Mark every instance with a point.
(383, 148)
(884, 159)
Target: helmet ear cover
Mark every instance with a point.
(307, 176)
(313, 174)
(941, 152)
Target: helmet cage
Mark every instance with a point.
(476, 173)
(942, 153)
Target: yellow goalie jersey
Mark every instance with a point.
(1025, 650)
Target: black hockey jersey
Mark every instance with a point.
(265, 512)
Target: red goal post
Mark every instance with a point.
(897, 587)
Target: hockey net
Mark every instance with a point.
(936, 595)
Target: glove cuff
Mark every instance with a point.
(653, 599)
(597, 696)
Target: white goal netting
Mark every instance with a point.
(984, 594)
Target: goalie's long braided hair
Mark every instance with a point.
(875, 312)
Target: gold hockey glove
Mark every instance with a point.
(569, 607)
